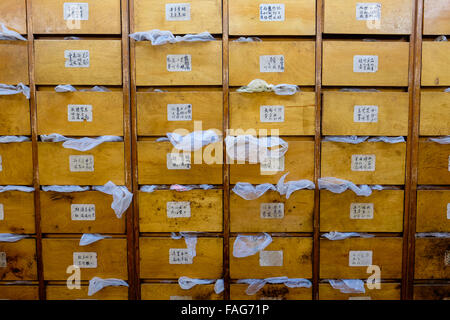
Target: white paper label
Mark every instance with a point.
(365, 114)
(179, 112)
(3, 262)
(448, 210)
(180, 256)
(181, 298)
(363, 162)
(82, 212)
(361, 211)
(365, 64)
(360, 258)
(271, 63)
(178, 209)
(2, 212)
(81, 163)
(179, 161)
(271, 258)
(272, 210)
(448, 163)
(271, 12)
(77, 58)
(359, 298)
(447, 258)
(76, 11)
(272, 165)
(1, 168)
(368, 11)
(271, 113)
(178, 11)
(86, 260)
(179, 62)
(79, 112)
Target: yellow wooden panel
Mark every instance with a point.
(432, 259)
(16, 163)
(435, 63)
(15, 292)
(55, 292)
(436, 17)
(105, 62)
(298, 113)
(299, 18)
(270, 292)
(58, 255)
(389, 162)
(433, 163)
(13, 62)
(56, 213)
(336, 211)
(20, 260)
(103, 17)
(298, 62)
(205, 15)
(154, 256)
(172, 291)
(434, 113)
(335, 255)
(338, 63)
(153, 110)
(13, 14)
(431, 292)
(340, 109)
(15, 119)
(388, 291)
(296, 261)
(152, 66)
(53, 113)
(433, 211)
(18, 212)
(54, 164)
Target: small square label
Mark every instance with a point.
(178, 209)
(179, 62)
(77, 58)
(81, 163)
(79, 112)
(178, 11)
(365, 114)
(271, 258)
(180, 256)
(368, 11)
(272, 165)
(271, 63)
(363, 162)
(271, 12)
(271, 113)
(179, 161)
(3, 262)
(272, 210)
(179, 112)
(2, 212)
(82, 212)
(361, 211)
(365, 64)
(76, 11)
(87, 260)
(360, 258)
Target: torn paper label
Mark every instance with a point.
(271, 113)
(179, 62)
(365, 114)
(447, 258)
(368, 11)
(79, 112)
(2, 212)
(179, 161)
(359, 298)
(82, 212)
(363, 162)
(179, 112)
(271, 258)
(181, 298)
(76, 11)
(365, 64)
(180, 256)
(178, 209)
(3, 262)
(271, 12)
(87, 260)
(178, 11)
(77, 58)
(272, 165)
(361, 211)
(81, 163)
(360, 258)
(272, 210)
(273, 63)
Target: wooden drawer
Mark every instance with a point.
(276, 62)
(166, 64)
(91, 17)
(155, 258)
(14, 15)
(291, 115)
(279, 17)
(336, 257)
(180, 17)
(103, 65)
(272, 212)
(20, 260)
(61, 166)
(270, 292)
(174, 211)
(79, 212)
(382, 211)
(434, 163)
(15, 115)
(434, 113)
(162, 112)
(108, 255)
(433, 211)
(17, 212)
(16, 163)
(386, 162)
(388, 291)
(342, 67)
(172, 291)
(13, 62)
(80, 113)
(436, 17)
(435, 63)
(16, 292)
(56, 292)
(290, 257)
(431, 292)
(365, 113)
(298, 149)
(153, 164)
(380, 17)
(432, 258)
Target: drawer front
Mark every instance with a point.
(436, 17)
(79, 212)
(16, 164)
(290, 257)
(78, 62)
(180, 17)
(18, 260)
(435, 63)
(183, 63)
(388, 291)
(159, 260)
(106, 258)
(431, 292)
(358, 63)
(433, 211)
(162, 112)
(270, 292)
(172, 291)
(15, 118)
(365, 113)
(56, 292)
(17, 212)
(434, 113)
(382, 211)
(61, 166)
(272, 212)
(16, 292)
(290, 115)
(13, 62)
(14, 15)
(276, 62)
(349, 258)
(80, 113)
(434, 163)
(432, 259)
(365, 163)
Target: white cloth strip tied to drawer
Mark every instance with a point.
(335, 235)
(6, 90)
(8, 34)
(16, 188)
(441, 140)
(192, 141)
(447, 90)
(55, 188)
(257, 284)
(348, 285)
(159, 37)
(12, 139)
(246, 246)
(176, 187)
(248, 39)
(190, 239)
(96, 284)
(187, 283)
(358, 90)
(441, 39)
(360, 139)
(11, 237)
(81, 144)
(121, 197)
(72, 38)
(259, 85)
(254, 150)
(70, 88)
(89, 238)
(433, 235)
(337, 185)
